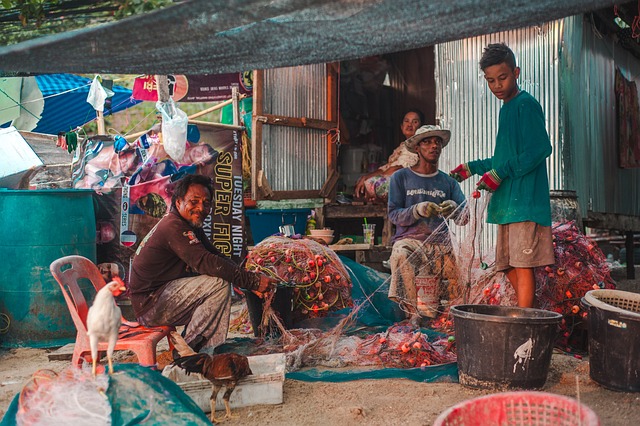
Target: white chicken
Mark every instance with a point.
(104, 319)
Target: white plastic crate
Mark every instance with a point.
(264, 386)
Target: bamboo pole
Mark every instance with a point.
(219, 125)
(135, 136)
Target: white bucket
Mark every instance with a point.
(351, 159)
(427, 289)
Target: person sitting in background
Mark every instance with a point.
(421, 199)
(374, 186)
(179, 278)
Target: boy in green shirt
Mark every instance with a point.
(516, 175)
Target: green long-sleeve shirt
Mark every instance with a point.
(522, 145)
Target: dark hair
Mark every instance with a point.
(183, 185)
(417, 111)
(495, 54)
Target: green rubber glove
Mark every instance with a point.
(447, 207)
(426, 209)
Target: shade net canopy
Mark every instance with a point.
(221, 36)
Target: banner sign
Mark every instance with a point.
(226, 228)
(125, 237)
(218, 156)
(195, 88)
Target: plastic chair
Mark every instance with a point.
(68, 272)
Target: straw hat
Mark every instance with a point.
(424, 132)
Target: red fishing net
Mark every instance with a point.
(580, 266)
(320, 281)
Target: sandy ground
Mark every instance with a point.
(372, 402)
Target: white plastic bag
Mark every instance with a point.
(174, 129)
(97, 95)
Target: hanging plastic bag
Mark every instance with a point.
(174, 129)
(98, 94)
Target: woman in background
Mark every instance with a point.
(374, 186)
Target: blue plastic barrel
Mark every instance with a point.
(38, 227)
(266, 222)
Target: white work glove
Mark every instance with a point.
(425, 209)
(447, 207)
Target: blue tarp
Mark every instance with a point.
(70, 110)
(66, 106)
(377, 314)
(139, 395)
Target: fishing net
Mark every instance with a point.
(372, 331)
(580, 266)
(365, 328)
(71, 397)
(317, 277)
(359, 336)
(132, 395)
(398, 346)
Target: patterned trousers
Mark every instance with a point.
(202, 304)
(431, 266)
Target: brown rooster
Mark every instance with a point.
(222, 370)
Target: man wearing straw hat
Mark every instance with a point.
(421, 199)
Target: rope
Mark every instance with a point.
(5, 323)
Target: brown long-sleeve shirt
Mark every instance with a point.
(174, 249)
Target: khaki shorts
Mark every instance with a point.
(523, 245)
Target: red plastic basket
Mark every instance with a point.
(519, 408)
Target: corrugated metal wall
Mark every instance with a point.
(295, 158)
(588, 65)
(467, 107)
(465, 104)
(570, 68)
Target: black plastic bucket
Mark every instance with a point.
(282, 304)
(614, 338)
(504, 347)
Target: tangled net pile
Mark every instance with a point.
(320, 282)
(580, 266)
(400, 346)
(72, 397)
(296, 262)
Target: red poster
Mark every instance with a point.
(195, 88)
(144, 88)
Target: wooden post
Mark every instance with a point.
(162, 86)
(100, 122)
(631, 269)
(235, 97)
(256, 135)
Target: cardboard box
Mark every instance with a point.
(264, 386)
(18, 161)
